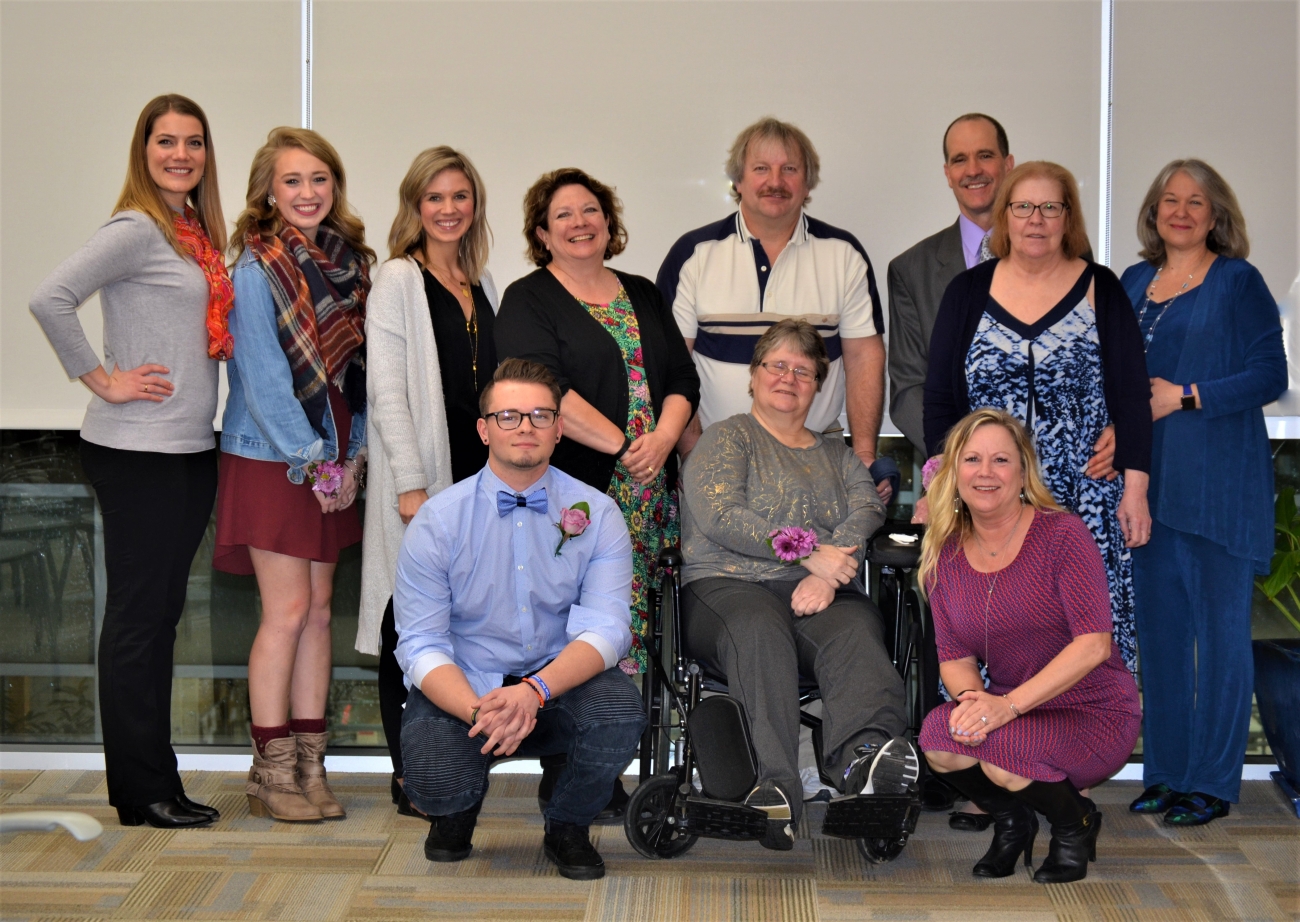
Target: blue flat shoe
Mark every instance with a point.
(1196, 810)
(1156, 799)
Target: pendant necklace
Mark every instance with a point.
(1146, 303)
(993, 582)
(471, 322)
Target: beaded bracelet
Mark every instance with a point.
(541, 701)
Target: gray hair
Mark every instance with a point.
(1228, 238)
(791, 138)
(801, 336)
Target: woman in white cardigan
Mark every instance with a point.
(429, 336)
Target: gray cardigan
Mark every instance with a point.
(155, 306)
(740, 483)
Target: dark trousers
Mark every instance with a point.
(1193, 623)
(155, 509)
(392, 688)
(747, 632)
(597, 726)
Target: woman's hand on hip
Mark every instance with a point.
(1166, 398)
(835, 565)
(646, 456)
(123, 386)
(1134, 513)
(1101, 464)
(813, 594)
(977, 714)
(409, 503)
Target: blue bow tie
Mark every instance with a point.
(508, 502)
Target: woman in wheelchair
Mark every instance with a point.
(763, 622)
(1018, 584)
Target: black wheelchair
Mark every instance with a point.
(669, 812)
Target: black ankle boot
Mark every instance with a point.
(1076, 822)
(1015, 826)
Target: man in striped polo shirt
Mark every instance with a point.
(729, 281)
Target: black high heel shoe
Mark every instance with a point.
(195, 807)
(1072, 847)
(166, 814)
(1014, 829)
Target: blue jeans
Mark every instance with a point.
(598, 725)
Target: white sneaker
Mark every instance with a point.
(813, 787)
(883, 768)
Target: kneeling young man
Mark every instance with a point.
(512, 609)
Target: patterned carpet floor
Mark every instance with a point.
(371, 867)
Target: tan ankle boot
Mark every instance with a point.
(311, 774)
(273, 784)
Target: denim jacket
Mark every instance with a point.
(263, 419)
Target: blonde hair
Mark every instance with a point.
(1074, 241)
(1228, 236)
(791, 138)
(264, 218)
(407, 237)
(140, 193)
(948, 516)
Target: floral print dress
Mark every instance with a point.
(650, 511)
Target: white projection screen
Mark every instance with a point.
(644, 95)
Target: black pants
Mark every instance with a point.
(392, 690)
(155, 509)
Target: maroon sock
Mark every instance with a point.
(307, 725)
(264, 735)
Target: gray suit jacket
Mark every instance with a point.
(918, 278)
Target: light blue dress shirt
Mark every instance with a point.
(487, 593)
(972, 235)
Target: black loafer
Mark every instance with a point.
(166, 814)
(937, 795)
(195, 807)
(969, 822)
(1156, 799)
(569, 847)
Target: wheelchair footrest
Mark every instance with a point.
(718, 819)
(871, 816)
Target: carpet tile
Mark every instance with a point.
(370, 867)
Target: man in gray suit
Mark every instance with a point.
(976, 158)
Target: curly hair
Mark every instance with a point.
(537, 206)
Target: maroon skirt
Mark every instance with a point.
(257, 506)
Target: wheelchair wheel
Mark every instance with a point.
(646, 821)
(879, 851)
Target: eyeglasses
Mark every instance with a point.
(510, 419)
(1049, 210)
(781, 369)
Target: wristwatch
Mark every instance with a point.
(1189, 399)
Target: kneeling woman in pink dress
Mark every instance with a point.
(1017, 584)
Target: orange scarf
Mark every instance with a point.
(221, 294)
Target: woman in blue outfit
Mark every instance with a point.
(1050, 337)
(1214, 353)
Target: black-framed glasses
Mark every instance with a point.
(541, 418)
(1049, 210)
(781, 369)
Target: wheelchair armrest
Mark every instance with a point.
(671, 556)
(884, 549)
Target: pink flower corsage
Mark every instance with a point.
(573, 522)
(326, 478)
(792, 545)
(928, 471)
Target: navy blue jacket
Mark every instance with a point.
(1215, 472)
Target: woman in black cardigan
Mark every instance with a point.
(1052, 339)
(629, 384)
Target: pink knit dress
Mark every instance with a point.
(1053, 591)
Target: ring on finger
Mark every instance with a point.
(146, 388)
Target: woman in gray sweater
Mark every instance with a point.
(763, 619)
(147, 441)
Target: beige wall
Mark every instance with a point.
(73, 78)
(646, 96)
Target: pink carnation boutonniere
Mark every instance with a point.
(793, 545)
(928, 471)
(573, 522)
(326, 478)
